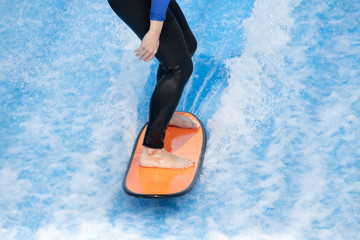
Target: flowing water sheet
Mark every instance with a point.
(275, 82)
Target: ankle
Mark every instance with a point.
(152, 151)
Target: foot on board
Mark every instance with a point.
(160, 158)
(182, 121)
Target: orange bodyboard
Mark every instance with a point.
(158, 182)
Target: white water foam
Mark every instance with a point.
(282, 159)
(272, 140)
(65, 183)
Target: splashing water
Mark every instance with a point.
(275, 82)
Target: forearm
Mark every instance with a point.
(150, 42)
(155, 27)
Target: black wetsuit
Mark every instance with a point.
(177, 45)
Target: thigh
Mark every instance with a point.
(135, 13)
(173, 50)
(190, 39)
(179, 15)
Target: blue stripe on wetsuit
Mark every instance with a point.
(158, 9)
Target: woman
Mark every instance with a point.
(166, 35)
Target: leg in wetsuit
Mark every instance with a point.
(177, 45)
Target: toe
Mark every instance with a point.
(195, 124)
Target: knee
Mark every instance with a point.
(191, 43)
(178, 74)
(186, 70)
(193, 47)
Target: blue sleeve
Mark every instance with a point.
(158, 9)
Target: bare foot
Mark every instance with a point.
(182, 121)
(161, 158)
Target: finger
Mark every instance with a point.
(145, 56)
(139, 54)
(149, 58)
(139, 49)
(142, 54)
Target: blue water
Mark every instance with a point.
(276, 82)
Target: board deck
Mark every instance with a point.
(158, 182)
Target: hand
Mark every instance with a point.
(150, 43)
(149, 46)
